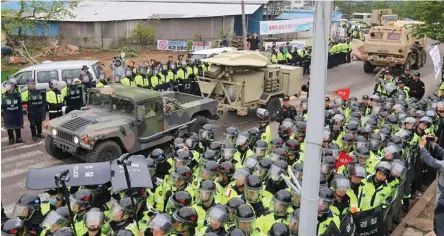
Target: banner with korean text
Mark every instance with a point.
(286, 26)
(170, 45)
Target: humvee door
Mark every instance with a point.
(150, 117)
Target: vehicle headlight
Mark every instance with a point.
(54, 131)
(76, 139)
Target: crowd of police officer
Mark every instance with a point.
(249, 183)
(57, 101)
(180, 75)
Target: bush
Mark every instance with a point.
(129, 52)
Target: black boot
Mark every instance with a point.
(406, 204)
(11, 141)
(19, 140)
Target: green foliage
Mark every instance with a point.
(189, 46)
(31, 13)
(129, 52)
(228, 35)
(432, 14)
(144, 34)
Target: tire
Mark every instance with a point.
(368, 68)
(199, 123)
(273, 105)
(104, 151)
(54, 151)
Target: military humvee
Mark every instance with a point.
(120, 119)
(391, 44)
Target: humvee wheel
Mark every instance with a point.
(104, 151)
(273, 105)
(199, 123)
(54, 151)
(368, 68)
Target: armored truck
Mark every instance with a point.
(395, 47)
(246, 80)
(122, 119)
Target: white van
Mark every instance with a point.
(366, 17)
(202, 54)
(58, 70)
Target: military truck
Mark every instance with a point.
(121, 119)
(245, 80)
(395, 47)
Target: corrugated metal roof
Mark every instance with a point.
(95, 11)
(290, 15)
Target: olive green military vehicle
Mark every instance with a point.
(392, 44)
(122, 119)
(246, 80)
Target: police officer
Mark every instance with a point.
(340, 185)
(161, 224)
(178, 200)
(245, 220)
(36, 105)
(28, 209)
(275, 181)
(80, 203)
(12, 113)
(286, 111)
(169, 76)
(185, 221)
(253, 195)
(281, 56)
(55, 100)
(417, 87)
(204, 200)
(73, 95)
(374, 190)
(182, 77)
(95, 223)
(141, 79)
(280, 204)
(216, 218)
(279, 229)
(55, 220)
(129, 78)
(325, 215)
(122, 215)
(14, 227)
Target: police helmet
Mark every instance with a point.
(158, 155)
(384, 167)
(227, 168)
(292, 146)
(207, 132)
(186, 217)
(65, 231)
(230, 134)
(279, 154)
(279, 229)
(13, 227)
(357, 170)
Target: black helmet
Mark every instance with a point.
(243, 139)
(94, 219)
(13, 227)
(280, 202)
(365, 97)
(245, 212)
(206, 191)
(186, 216)
(392, 120)
(384, 167)
(178, 200)
(226, 168)
(65, 231)
(236, 232)
(348, 138)
(363, 131)
(121, 210)
(158, 155)
(262, 168)
(255, 134)
(279, 154)
(253, 182)
(234, 203)
(184, 173)
(209, 155)
(292, 146)
(352, 127)
(207, 132)
(363, 151)
(216, 147)
(284, 131)
(151, 164)
(392, 152)
(26, 206)
(396, 140)
(279, 229)
(357, 170)
(228, 150)
(163, 222)
(230, 134)
(259, 148)
(375, 142)
(192, 141)
(276, 143)
(183, 158)
(253, 189)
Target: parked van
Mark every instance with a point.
(58, 70)
(366, 17)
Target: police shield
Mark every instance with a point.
(347, 227)
(332, 230)
(138, 173)
(74, 97)
(12, 110)
(37, 105)
(79, 174)
(370, 222)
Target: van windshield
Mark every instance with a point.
(115, 104)
(394, 36)
(358, 16)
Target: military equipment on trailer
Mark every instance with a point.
(122, 119)
(245, 80)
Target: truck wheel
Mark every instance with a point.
(54, 151)
(368, 68)
(104, 151)
(273, 105)
(199, 123)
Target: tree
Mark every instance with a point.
(31, 13)
(432, 14)
(144, 34)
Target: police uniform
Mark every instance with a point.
(73, 97)
(55, 102)
(12, 115)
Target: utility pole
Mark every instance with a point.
(244, 26)
(315, 126)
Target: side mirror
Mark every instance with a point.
(140, 113)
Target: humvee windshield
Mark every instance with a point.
(115, 103)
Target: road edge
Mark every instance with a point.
(418, 208)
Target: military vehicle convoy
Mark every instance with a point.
(245, 80)
(122, 119)
(391, 44)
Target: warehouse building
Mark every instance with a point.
(105, 24)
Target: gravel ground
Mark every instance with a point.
(428, 211)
